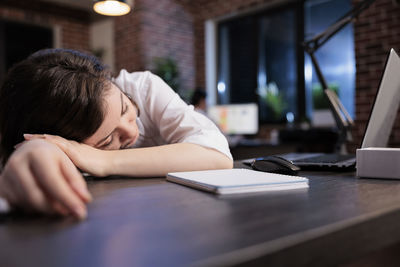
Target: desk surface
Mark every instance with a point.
(151, 222)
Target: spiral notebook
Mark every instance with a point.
(233, 181)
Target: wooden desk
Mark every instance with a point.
(151, 222)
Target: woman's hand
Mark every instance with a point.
(88, 159)
(40, 177)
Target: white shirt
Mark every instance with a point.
(164, 117)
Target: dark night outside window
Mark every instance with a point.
(260, 60)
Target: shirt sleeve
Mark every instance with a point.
(179, 122)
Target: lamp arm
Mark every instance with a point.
(318, 40)
(342, 118)
(342, 121)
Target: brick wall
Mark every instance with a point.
(156, 29)
(73, 24)
(376, 31)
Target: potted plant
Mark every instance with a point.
(167, 69)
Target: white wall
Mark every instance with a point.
(102, 38)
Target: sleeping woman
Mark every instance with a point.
(61, 111)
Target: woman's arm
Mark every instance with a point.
(149, 161)
(158, 161)
(39, 177)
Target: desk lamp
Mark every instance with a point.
(343, 120)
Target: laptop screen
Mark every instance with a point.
(385, 106)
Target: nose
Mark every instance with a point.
(127, 132)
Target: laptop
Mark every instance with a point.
(378, 129)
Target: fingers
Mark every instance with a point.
(40, 177)
(84, 157)
(28, 137)
(24, 192)
(19, 144)
(68, 169)
(59, 190)
(33, 197)
(60, 209)
(33, 136)
(57, 140)
(75, 180)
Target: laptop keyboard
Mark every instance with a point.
(326, 158)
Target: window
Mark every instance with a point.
(260, 59)
(336, 57)
(277, 64)
(18, 40)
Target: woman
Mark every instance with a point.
(61, 109)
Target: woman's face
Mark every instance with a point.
(119, 129)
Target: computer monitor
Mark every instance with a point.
(235, 119)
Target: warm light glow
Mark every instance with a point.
(112, 7)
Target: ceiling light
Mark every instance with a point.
(113, 7)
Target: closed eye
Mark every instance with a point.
(105, 145)
(125, 109)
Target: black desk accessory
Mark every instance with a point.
(275, 164)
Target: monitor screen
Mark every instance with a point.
(235, 119)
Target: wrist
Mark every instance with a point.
(108, 164)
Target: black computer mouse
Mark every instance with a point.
(275, 164)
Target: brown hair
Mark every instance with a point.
(53, 91)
